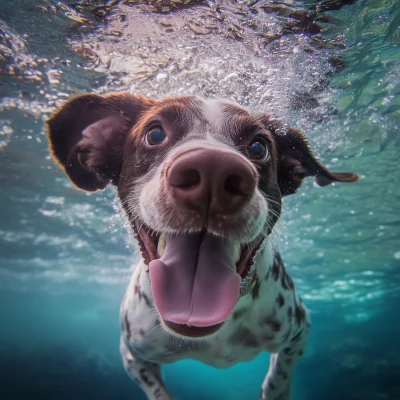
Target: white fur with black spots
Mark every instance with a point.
(201, 182)
(269, 318)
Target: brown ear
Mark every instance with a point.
(296, 160)
(87, 135)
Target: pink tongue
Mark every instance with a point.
(195, 281)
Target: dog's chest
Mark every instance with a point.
(257, 324)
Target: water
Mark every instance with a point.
(66, 256)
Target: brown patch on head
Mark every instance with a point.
(175, 116)
(244, 129)
(241, 126)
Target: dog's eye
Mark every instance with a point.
(258, 150)
(155, 136)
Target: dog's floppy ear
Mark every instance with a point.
(296, 160)
(87, 135)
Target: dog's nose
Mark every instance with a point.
(211, 181)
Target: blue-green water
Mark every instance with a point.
(66, 257)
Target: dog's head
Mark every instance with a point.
(201, 182)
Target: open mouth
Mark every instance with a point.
(196, 278)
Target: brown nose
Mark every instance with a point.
(211, 181)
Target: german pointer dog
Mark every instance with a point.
(201, 182)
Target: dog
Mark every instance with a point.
(201, 182)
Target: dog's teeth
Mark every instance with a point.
(162, 242)
(236, 253)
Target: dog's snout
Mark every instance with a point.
(211, 181)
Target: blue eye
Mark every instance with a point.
(155, 136)
(258, 150)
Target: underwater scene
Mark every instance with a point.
(330, 68)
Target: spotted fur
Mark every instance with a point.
(101, 140)
(262, 322)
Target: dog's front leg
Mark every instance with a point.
(146, 374)
(276, 385)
